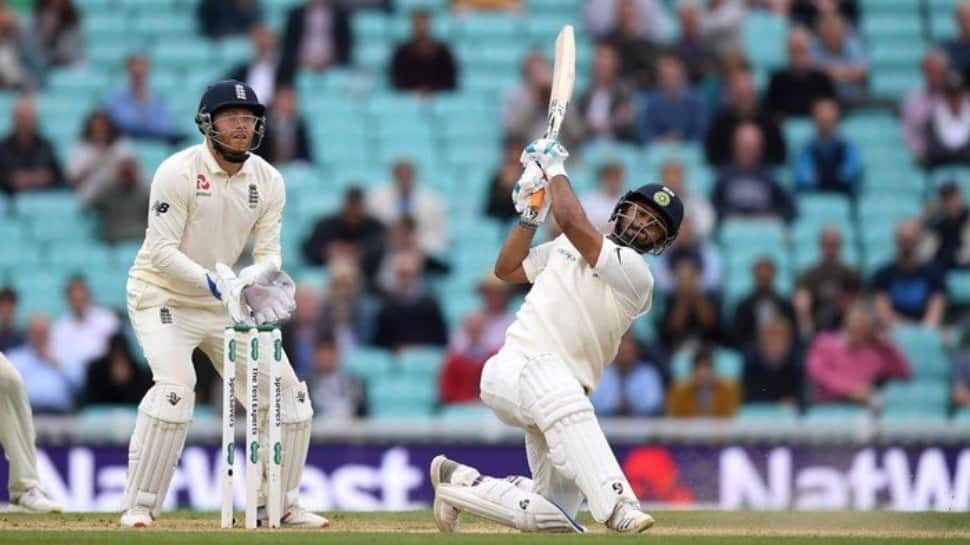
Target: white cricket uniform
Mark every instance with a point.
(17, 431)
(199, 216)
(566, 331)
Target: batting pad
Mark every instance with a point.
(164, 415)
(501, 501)
(297, 414)
(577, 447)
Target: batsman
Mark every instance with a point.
(207, 201)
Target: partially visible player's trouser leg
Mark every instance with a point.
(167, 335)
(17, 431)
(297, 412)
(541, 392)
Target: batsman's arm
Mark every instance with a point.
(572, 220)
(509, 264)
(167, 217)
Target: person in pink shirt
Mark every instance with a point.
(850, 364)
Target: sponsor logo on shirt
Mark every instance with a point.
(202, 186)
(567, 255)
(253, 196)
(165, 315)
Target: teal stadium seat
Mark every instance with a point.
(830, 413)
(728, 364)
(958, 287)
(924, 349)
(767, 412)
(466, 412)
(368, 363)
(764, 36)
(420, 362)
(919, 397)
(401, 398)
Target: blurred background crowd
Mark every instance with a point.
(822, 148)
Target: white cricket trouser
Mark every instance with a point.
(567, 451)
(17, 431)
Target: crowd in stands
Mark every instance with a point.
(825, 338)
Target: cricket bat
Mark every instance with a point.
(563, 76)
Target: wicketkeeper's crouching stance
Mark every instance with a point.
(207, 201)
(587, 289)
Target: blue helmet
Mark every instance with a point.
(659, 199)
(229, 93)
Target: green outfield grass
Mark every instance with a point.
(673, 527)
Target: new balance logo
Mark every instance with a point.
(301, 397)
(173, 398)
(524, 504)
(618, 488)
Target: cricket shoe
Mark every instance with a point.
(628, 518)
(34, 501)
(295, 517)
(445, 515)
(136, 517)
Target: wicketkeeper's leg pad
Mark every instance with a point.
(164, 415)
(502, 501)
(296, 417)
(578, 450)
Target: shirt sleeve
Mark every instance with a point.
(167, 217)
(628, 274)
(266, 243)
(535, 262)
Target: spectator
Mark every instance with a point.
(19, 65)
(300, 334)
(347, 313)
(285, 139)
(93, 162)
(461, 6)
(349, 233)
(961, 377)
(462, 370)
(772, 372)
(599, 203)
(851, 364)
(632, 386)
(49, 386)
(807, 12)
(746, 188)
(121, 207)
(606, 106)
(840, 55)
(402, 198)
(949, 231)
(826, 290)
(703, 394)
(764, 304)
(525, 108)
(81, 336)
(918, 106)
(335, 393)
(672, 112)
(423, 64)
(948, 130)
(690, 315)
(57, 31)
(137, 112)
(634, 40)
(500, 205)
(691, 247)
(650, 18)
(958, 48)
(794, 89)
(721, 24)
(906, 289)
(317, 36)
(221, 18)
(691, 46)
(696, 206)
(27, 159)
(400, 237)
(409, 315)
(743, 108)
(828, 162)
(10, 337)
(116, 378)
(263, 71)
(494, 295)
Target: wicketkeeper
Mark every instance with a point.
(206, 203)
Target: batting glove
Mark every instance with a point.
(548, 154)
(531, 181)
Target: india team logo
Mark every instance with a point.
(661, 198)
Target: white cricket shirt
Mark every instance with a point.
(200, 216)
(577, 311)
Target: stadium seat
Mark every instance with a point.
(764, 35)
(728, 364)
(924, 349)
(393, 398)
(958, 287)
(466, 412)
(420, 362)
(916, 397)
(835, 412)
(368, 363)
(767, 412)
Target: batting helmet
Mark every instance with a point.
(661, 200)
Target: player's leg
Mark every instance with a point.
(578, 450)
(167, 336)
(17, 440)
(296, 419)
